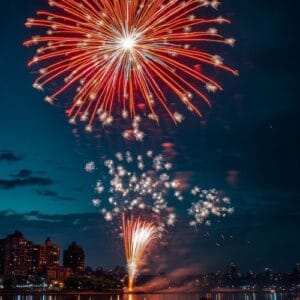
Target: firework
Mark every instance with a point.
(90, 167)
(115, 56)
(209, 202)
(141, 184)
(145, 188)
(137, 235)
(147, 185)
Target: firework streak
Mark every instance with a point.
(145, 188)
(137, 235)
(114, 56)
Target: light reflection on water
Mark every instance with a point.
(217, 296)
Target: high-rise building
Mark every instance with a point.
(37, 259)
(44, 257)
(2, 255)
(52, 254)
(296, 271)
(74, 258)
(232, 269)
(16, 252)
(20, 257)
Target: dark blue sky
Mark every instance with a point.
(247, 144)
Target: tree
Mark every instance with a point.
(72, 283)
(10, 283)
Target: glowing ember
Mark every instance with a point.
(138, 235)
(128, 43)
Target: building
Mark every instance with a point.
(74, 258)
(22, 258)
(52, 254)
(43, 257)
(59, 274)
(297, 269)
(2, 254)
(15, 252)
(38, 259)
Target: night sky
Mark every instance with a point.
(247, 144)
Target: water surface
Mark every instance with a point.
(215, 296)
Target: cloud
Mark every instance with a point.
(37, 218)
(9, 156)
(23, 173)
(53, 195)
(24, 178)
(47, 193)
(14, 220)
(65, 198)
(8, 184)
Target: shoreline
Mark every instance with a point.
(58, 293)
(116, 293)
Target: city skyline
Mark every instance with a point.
(37, 259)
(245, 145)
(21, 257)
(72, 257)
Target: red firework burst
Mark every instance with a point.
(115, 52)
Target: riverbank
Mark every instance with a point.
(58, 293)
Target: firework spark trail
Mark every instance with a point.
(126, 53)
(141, 183)
(147, 185)
(137, 235)
(208, 203)
(144, 186)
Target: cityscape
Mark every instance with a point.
(22, 260)
(149, 150)
(26, 266)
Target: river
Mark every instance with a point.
(215, 296)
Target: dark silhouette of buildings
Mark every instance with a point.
(24, 264)
(74, 258)
(38, 259)
(15, 255)
(44, 257)
(297, 269)
(2, 254)
(52, 252)
(59, 274)
(22, 258)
